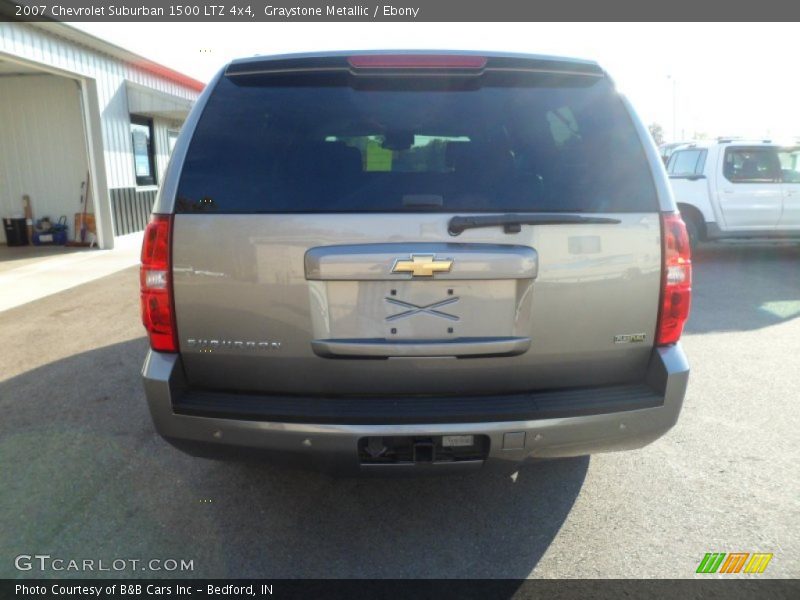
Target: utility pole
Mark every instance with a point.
(674, 107)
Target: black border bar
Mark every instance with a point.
(733, 588)
(277, 11)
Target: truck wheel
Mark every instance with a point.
(692, 230)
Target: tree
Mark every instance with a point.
(657, 132)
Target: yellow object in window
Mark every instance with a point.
(378, 158)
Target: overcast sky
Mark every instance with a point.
(727, 79)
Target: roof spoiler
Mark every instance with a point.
(411, 64)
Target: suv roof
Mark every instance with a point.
(500, 59)
(423, 51)
(735, 142)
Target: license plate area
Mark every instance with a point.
(422, 450)
(418, 310)
(361, 306)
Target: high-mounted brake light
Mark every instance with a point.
(417, 61)
(676, 284)
(155, 280)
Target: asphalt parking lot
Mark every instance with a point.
(85, 476)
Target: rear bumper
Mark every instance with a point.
(572, 423)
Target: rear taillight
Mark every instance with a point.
(155, 279)
(676, 285)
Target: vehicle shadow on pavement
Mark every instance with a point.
(495, 523)
(85, 476)
(741, 286)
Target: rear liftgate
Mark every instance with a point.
(396, 301)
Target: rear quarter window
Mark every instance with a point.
(524, 144)
(686, 163)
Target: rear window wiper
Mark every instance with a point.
(512, 223)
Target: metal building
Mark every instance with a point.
(78, 112)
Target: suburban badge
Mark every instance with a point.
(630, 338)
(210, 345)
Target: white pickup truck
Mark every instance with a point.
(737, 189)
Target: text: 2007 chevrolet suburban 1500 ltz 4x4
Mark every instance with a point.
(418, 261)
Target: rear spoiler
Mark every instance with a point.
(410, 64)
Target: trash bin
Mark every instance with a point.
(16, 231)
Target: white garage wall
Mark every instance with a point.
(161, 129)
(35, 43)
(107, 73)
(42, 146)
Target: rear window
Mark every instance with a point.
(510, 143)
(686, 163)
(790, 164)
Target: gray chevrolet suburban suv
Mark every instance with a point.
(414, 261)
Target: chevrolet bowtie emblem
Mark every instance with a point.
(422, 265)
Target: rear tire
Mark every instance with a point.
(693, 229)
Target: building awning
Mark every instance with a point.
(153, 103)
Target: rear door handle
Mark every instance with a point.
(379, 348)
(378, 262)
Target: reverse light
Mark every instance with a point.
(676, 285)
(417, 61)
(155, 280)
